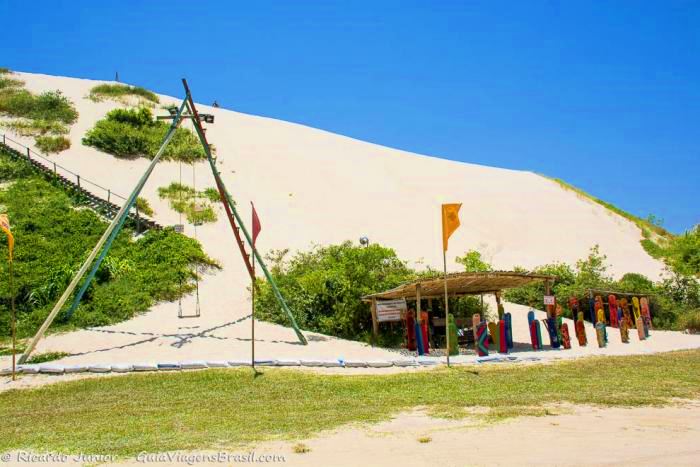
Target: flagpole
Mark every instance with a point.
(447, 308)
(252, 314)
(14, 321)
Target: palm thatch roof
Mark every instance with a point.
(461, 283)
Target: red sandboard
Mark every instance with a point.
(612, 308)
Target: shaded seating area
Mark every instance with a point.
(422, 296)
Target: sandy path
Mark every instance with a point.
(588, 436)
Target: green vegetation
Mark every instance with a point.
(46, 116)
(682, 252)
(144, 206)
(155, 412)
(26, 127)
(324, 287)
(186, 200)
(52, 144)
(135, 133)
(119, 92)
(46, 357)
(53, 237)
(648, 226)
(51, 106)
(672, 298)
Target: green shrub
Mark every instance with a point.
(51, 106)
(52, 144)
(26, 127)
(324, 287)
(144, 206)
(119, 91)
(212, 194)
(52, 239)
(7, 83)
(690, 321)
(184, 199)
(134, 133)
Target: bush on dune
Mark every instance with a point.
(120, 91)
(135, 133)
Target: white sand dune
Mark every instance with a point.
(314, 187)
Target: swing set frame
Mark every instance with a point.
(186, 110)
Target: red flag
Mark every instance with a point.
(256, 223)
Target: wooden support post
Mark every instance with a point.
(78, 178)
(417, 320)
(54, 169)
(109, 195)
(375, 324)
(548, 291)
(28, 156)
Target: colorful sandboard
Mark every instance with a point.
(502, 340)
(419, 338)
(581, 330)
(600, 334)
(635, 307)
(533, 335)
(551, 324)
(476, 319)
(493, 334)
(410, 331)
(482, 342)
(538, 330)
(566, 338)
(624, 332)
(424, 331)
(640, 329)
(646, 311)
(509, 330)
(612, 309)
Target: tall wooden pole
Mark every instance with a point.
(447, 308)
(14, 321)
(252, 315)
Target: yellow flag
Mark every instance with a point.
(450, 221)
(5, 226)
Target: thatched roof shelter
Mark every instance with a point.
(459, 284)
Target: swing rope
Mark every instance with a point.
(194, 223)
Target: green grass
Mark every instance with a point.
(52, 144)
(195, 205)
(50, 105)
(119, 91)
(46, 357)
(25, 127)
(217, 409)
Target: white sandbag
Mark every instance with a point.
(29, 369)
(100, 368)
(238, 363)
(168, 366)
(78, 368)
(217, 363)
(287, 362)
(193, 365)
(428, 361)
(405, 363)
(332, 364)
(122, 368)
(8, 371)
(379, 364)
(265, 362)
(355, 364)
(312, 363)
(145, 367)
(51, 369)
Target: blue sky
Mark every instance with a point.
(605, 95)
